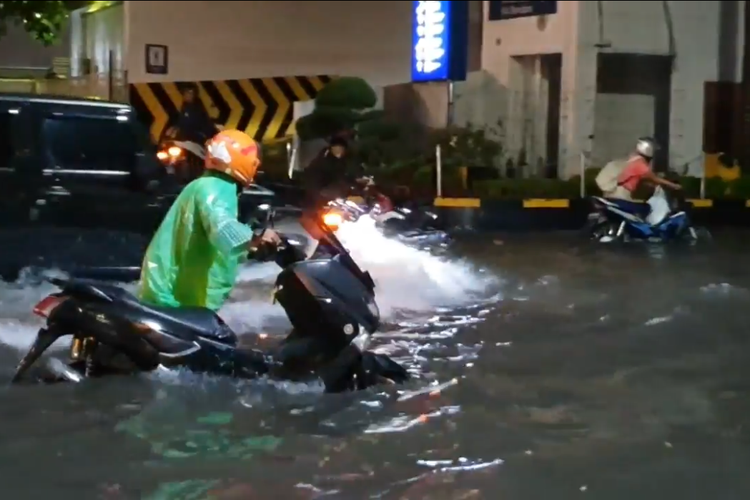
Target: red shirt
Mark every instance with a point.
(635, 170)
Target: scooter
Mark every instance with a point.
(182, 159)
(328, 299)
(667, 219)
(412, 226)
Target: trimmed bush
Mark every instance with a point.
(347, 92)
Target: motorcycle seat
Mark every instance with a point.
(203, 322)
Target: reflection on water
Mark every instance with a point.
(600, 372)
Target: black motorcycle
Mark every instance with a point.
(329, 300)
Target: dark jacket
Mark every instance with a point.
(194, 124)
(326, 178)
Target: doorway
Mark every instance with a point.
(632, 100)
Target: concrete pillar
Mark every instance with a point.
(579, 68)
(538, 149)
(515, 112)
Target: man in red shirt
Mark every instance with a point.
(638, 169)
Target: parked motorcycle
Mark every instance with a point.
(328, 299)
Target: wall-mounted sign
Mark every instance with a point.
(509, 9)
(439, 37)
(157, 59)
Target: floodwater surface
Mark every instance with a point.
(544, 368)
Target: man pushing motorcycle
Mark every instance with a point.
(618, 180)
(194, 257)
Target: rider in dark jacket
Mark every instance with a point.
(329, 176)
(193, 123)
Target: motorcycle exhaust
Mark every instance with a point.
(44, 339)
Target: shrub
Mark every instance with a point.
(341, 105)
(347, 92)
(325, 122)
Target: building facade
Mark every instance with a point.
(593, 76)
(251, 60)
(583, 79)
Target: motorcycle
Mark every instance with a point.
(411, 226)
(328, 299)
(182, 159)
(667, 219)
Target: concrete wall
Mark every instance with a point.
(222, 40)
(705, 39)
(94, 35)
(17, 48)
(517, 96)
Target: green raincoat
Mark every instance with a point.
(195, 255)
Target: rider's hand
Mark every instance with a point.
(271, 237)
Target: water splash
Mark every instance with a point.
(18, 325)
(408, 278)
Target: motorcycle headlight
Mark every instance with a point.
(332, 220)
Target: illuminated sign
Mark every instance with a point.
(439, 41)
(510, 9)
(431, 38)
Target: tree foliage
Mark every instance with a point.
(347, 92)
(42, 20)
(341, 105)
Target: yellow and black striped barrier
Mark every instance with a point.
(262, 107)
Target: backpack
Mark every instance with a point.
(607, 177)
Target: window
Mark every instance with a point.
(90, 143)
(7, 149)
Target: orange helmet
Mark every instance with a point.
(234, 153)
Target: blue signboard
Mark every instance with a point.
(439, 40)
(510, 9)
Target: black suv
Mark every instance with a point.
(80, 184)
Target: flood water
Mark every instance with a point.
(545, 368)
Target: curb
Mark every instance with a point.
(553, 214)
(554, 202)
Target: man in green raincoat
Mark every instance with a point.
(194, 257)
